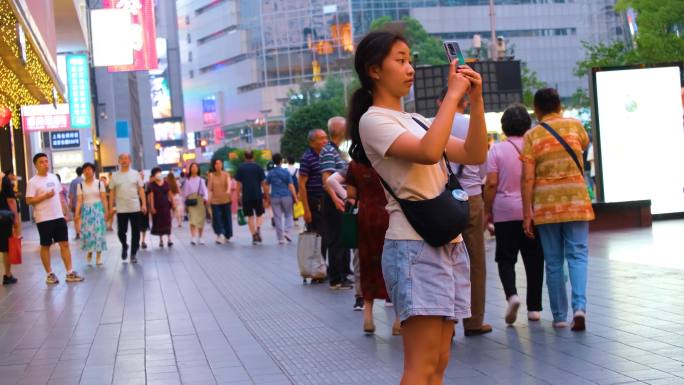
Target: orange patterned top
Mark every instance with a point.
(560, 193)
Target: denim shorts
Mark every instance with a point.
(427, 281)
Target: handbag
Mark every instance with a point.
(14, 251)
(441, 219)
(298, 210)
(190, 202)
(350, 226)
(6, 217)
(241, 220)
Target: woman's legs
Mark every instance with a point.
(193, 232)
(227, 221)
(6, 263)
(217, 220)
(533, 259)
(367, 313)
(427, 343)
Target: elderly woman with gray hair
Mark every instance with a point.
(503, 207)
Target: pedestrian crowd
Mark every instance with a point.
(370, 214)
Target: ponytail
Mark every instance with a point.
(361, 100)
(371, 51)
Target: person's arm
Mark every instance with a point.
(143, 200)
(210, 186)
(37, 199)
(239, 193)
(266, 187)
(333, 187)
(103, 195)
(153, 210)
(291, 187)
(112, 199)
(489, 194)
(352, 194)
(79, 204)
(429, 148)
(527, 189)
(304, 197)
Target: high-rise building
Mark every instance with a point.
(545, 34)
(241, 58)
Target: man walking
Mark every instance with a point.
(310, 180)
(72, 199)
(43, 194)
(471, 178)
(126, 190)
(331, 162)
(251, 178)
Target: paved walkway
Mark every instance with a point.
(237, 314)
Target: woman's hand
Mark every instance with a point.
(458, 83)
(475, 80)
(528, 227)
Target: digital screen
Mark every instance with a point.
(110, 49)
(78, 81)
(164, 131)
(641, 134)
(141, 32)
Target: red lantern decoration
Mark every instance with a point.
(5, 116)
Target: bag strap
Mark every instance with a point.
(514, 146)
(565, 145)
(444, 155)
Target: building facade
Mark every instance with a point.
(547, 35)
(241, 58)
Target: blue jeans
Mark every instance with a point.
(561, 241)
(222, 220)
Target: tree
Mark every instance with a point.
(429, 48)
(304, 119)
(603, 55)
(661, 24)
(531, 84)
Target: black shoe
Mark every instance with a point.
(124, 254)
(143, 245)
(258, 234)
(169, 243)
(358, 304)
(134, 259)
(255, 239)
(161, 244)
(346, 284)
(9, 280)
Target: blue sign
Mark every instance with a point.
(78, 82)
(65, 139)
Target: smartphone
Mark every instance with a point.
(453, 51)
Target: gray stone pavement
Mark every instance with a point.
(238, 314)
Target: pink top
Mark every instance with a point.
(503, 159)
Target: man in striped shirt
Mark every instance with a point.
(310, 180)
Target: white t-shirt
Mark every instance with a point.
(126, 185)
(91, 192)
(379, 128)
(49, 209)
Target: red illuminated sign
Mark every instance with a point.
(142, 34)
(45, 117)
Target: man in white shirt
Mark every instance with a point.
(43, 194)
(126, 190)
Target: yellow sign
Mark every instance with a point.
(189, 156)
(267, 154)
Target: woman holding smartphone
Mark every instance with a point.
(429, 285)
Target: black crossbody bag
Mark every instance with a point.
(565, 145)
(441, 219)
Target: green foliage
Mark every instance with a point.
(430, 49)
(659, 21)
(602, 55)
(531, 83)
(304, 119)
(580, 99)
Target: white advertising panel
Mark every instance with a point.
(641, 134)
(112, 45)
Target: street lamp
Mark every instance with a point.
(265, 118)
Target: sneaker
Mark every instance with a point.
(533, 315)
(124, 254)
(9, 280)
(192, 241)
(346, 284)
(74, 277)
(51, 279)
(218, 240)
(287, 237)
(134, 259)
(358, 304)
(281, 241)
(169, 243)
(512, 310)
(200, 241)
(388, 303)
(560, 324)
(336, 286)
(579, 322)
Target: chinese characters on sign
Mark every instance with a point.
(65, 139)
(142, 33)
(78, 80)
(45, 117)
